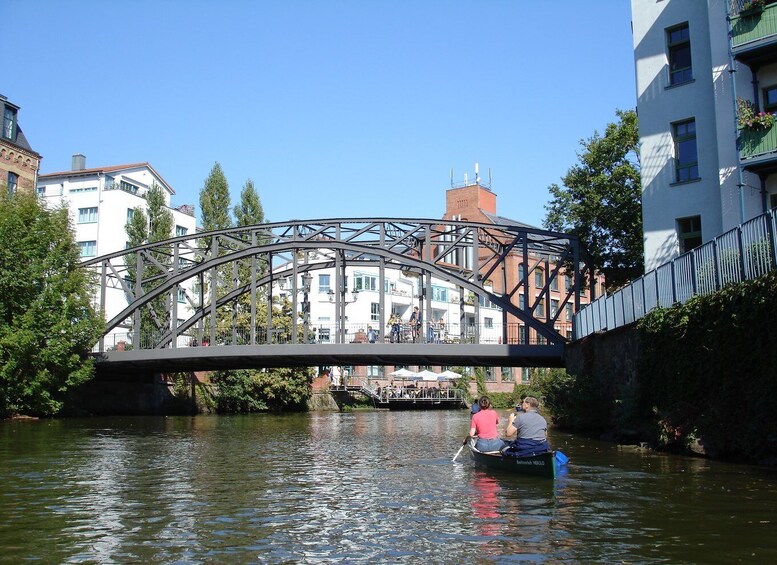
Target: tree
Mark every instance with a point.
(47, 322)
(147, 226)
(214, 201)
(600, 201)
(249, 212)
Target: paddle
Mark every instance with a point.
(459, 451)
(561, 458)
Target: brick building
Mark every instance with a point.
(19, 164)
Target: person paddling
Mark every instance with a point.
(530, 428)
(484, 425)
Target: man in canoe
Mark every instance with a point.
(530, 429)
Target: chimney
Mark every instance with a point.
(79, 162)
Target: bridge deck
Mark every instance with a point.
(309, 355)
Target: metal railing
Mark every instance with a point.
(743, 253)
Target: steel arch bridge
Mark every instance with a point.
(229, 280)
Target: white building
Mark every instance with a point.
(448, 322)
(703, 171)
(100, 201)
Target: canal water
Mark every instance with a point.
(373, 487)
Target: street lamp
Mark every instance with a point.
(340, 303)
(307, 279)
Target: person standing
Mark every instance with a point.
(394, 323)
(485, 425)
(530, 428)
(415, 323)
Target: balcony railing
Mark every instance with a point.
(753, 143)
(749, 25)
(744, 253)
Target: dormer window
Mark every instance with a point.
(9, 122)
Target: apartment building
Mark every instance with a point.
(706, 76)
(101, 200)
(19, 164)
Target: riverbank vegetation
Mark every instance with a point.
(704, 379)
(47, 322)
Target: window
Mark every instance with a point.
(553, 307)
(181, 295)
(770, 99)
(490, 377)
(88, 248)
(689, 233)
(323, 284)
(374, 371)
(13, 182)
(128, 187)
(521, 272)
(130, 213)
(569, 312)
(507, 375)
(539, 278)
(87, 215)
(522, 335)
(539, 310)
(686, 161)
(180, 230)
(521, 302)
(9, 122)
(41, 190)
(488, 323)
(365, 282)
(773, 201)
(525, 375)
(83, 189)
(568, 281)
(323, 335)
(554, 283)
(440, 294)
(679, 46)
(375, 312)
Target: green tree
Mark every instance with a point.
(600, 201)
(249, 212)
(47, 322)
(155, 223)
(214, 201)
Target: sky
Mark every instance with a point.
(334, 108)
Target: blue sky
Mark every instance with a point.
(334, 108)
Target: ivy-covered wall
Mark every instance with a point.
(701, 376)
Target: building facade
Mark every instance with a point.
(19, 164)
(706, 77)
(447, 317)
(101, 201)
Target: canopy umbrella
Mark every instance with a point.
(403, 374)
(427, 375)
(449, 376)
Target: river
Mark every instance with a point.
(374, 487)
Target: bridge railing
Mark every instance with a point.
(743, 253)
(355, 333)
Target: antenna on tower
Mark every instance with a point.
(477, 176)
(489, 177)
(451, 177)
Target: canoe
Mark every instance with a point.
(540, 465)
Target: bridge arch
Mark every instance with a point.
(221, 267)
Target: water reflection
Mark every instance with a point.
(357, 487)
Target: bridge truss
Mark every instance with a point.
(230, 277)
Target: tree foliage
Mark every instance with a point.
(47, 322)
(155, 223)
(249, 212)
(215, 201)
(600, 201)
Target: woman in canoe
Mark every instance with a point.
(484, 425)
(530, 429)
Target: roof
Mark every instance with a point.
(501, 220)
(109, 169)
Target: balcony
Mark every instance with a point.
(758, 147)
(754, 33)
